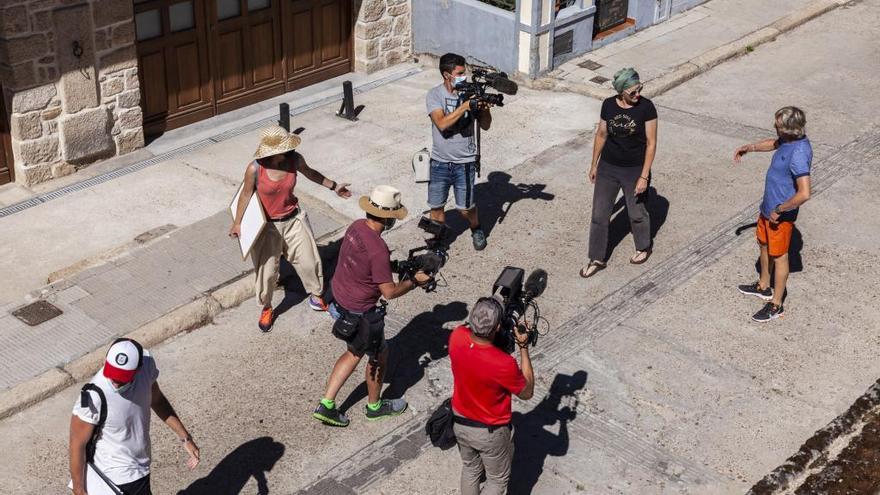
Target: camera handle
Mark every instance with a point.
(477, 138)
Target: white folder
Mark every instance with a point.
(252, 223)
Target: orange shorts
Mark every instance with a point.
(776, 236)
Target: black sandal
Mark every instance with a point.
(592, 268)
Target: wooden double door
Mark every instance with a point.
(198, 58)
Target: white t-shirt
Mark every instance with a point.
(122, 452)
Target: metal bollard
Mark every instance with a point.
(347, 110)
(284, 116)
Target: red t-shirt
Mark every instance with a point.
(484, 378)
(364, 263)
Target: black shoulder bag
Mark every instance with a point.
(439, 426)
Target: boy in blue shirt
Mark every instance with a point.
(786, 188)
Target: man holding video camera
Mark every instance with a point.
(485, 377)
(454, 151)
(363, 276)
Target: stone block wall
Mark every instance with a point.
(382, 34)
(69, 74)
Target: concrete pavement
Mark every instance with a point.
(682, 393)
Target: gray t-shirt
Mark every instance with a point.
(456, 144)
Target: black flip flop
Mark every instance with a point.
(585, 272)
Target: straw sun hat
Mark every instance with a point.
(276, 140)
(383, 202)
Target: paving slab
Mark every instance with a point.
(117, 298)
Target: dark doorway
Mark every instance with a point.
(6, 168)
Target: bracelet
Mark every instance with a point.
(333, 187)
(643, 177)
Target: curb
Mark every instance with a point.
(815, 450)
(705, 61)
(185, 318)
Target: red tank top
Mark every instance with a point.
(277, 196)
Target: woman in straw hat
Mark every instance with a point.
(272, 175)
(623, 152)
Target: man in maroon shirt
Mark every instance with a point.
(363, 275)
(484, 379)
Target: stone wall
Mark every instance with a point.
(69, 74)
(382, 34)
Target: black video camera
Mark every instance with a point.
(521, 312)
(481, 78)
(429, 262)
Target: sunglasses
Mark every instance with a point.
(634, 91)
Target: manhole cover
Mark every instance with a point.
(35, 313)
(590, 64)
(600, 79)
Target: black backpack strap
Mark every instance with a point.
(84, 401)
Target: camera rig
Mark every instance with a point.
(521, 312)
(482, 78)
(474, 93)
(433, 257)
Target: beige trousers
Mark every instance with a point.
(294, 239)
(486, 452)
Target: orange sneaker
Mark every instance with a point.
(266, 319)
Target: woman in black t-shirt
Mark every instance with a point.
(623, 152)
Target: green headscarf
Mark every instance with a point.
(625, 78)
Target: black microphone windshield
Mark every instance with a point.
(504, 85)
(536, 283)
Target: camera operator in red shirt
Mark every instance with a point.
(484, 378)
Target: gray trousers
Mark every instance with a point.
(609, 180)
(482, 450)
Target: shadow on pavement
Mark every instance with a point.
(658, 209)
(532, 442)
(294, 292)
(251, 459)
(421, 341)
(495, 198)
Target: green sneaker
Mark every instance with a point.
(329, 416)
(387, 408)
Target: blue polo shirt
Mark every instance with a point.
(791, 160)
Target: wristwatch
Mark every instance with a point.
(777, 210)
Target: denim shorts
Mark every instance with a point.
(460, 176)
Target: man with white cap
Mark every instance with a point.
(110, 426)
(484, 379)
(363, 276)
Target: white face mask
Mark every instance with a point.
(456, 80)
